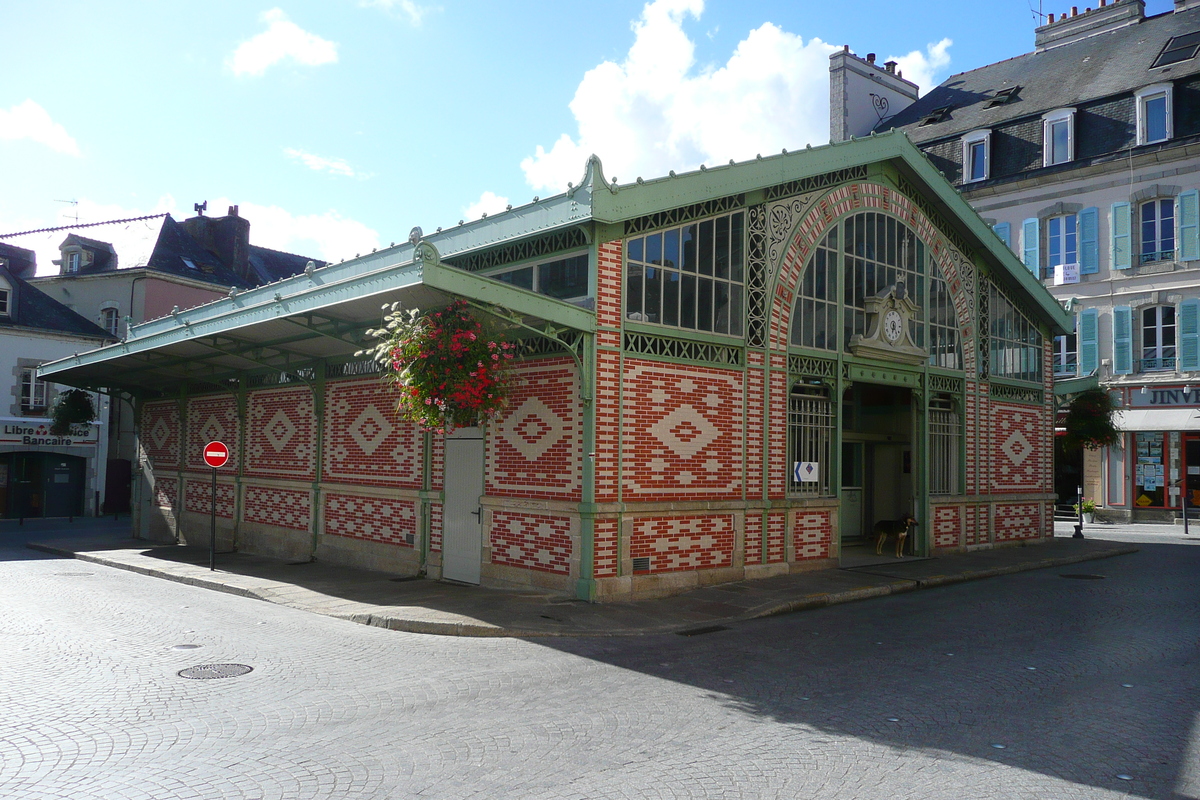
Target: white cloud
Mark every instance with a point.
(924, 69)
(281, 40)
(328, 236)
(334, 166)
(411, 11)
(29, 120)
(488, 203)
(655, 111)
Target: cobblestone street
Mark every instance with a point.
(1032, 685)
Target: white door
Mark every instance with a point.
(462, 529)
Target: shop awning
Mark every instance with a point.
(1157, 419)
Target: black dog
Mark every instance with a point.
(888, 527)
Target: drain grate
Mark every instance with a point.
(208, 672)
(702, 631)
(1082, 576)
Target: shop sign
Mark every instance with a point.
(36, 433)
(1165, 397)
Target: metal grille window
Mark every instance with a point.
(563, 278)
(810, 437)
(880, 251)
(945, 446)
(690, 276)
(944, 349)
(814, 323)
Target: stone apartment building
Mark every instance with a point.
(1084, 157)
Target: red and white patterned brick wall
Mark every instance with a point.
(365, 442)
(281, 434)
(682, 432)
(1015, 521)
(198, 497)
(209, 419)
(681, 543)
(605, 535)
(947, 526)
(812, 534)
(166, 492)
(1018, 447)
(539, 542)
(777, 536)
(373, 519)
(281, 508)
(752, 538)
(534, 450)
(160, 434)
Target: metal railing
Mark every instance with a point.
(1156, 364)
(1152, 257)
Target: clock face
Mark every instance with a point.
(893, 326)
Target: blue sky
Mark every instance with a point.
(338, 125)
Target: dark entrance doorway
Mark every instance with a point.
(43, 485)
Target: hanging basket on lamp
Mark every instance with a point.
(449, 372)
(73, 407)
(1089, 421)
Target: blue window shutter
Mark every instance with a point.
(1122, 340)
(1089, 241)
(1122, 242)
(1189, 335)
(1188, 214)
(1031, 245)
(1004, 231)
(1089, 342)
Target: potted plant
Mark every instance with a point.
(1088, 507)
(449, 372)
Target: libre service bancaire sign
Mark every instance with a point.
(36, 433)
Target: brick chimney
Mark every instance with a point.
(228, 238)
(1108, 16)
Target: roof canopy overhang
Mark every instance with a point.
(295, 323)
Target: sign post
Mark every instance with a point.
(215, 455)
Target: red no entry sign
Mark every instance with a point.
(216, 454)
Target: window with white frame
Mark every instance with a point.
(110, 320)
(33, 392)
(1062, 242)
(1065, 357)
(1154, 114)
(5, 302)
(1158, 339)
(977, 156)
(1158, 230)
(71, 261)
(1058, 137)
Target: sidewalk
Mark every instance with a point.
(426, 606)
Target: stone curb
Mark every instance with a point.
(803, 603)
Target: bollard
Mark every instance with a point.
(1079, 505)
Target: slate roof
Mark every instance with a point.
(21, 261)
(1107, 64)
(33, 308)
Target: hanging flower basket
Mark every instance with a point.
(448, 372)
(1089, 421)
(72, 407)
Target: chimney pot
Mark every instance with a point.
(1051, 20)
(890, 66)
(233, 211)
(870, 58)
(845, 48)
(1074, 11)
(1103, 3)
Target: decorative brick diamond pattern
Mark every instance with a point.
(374, 519)
(160, 421)
(607, 553)
(365, 443)
(281, 434)
(212, 418)
(281, 508)
(812, 534)
(683, 428)
(947, 526)
(166, 492)
(1019, 447)
(540, 542)
(1018, 521)
(684, 543)
(534, 449)
(197, 497)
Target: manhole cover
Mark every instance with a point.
(207, 672)
(1082, 576)
(75, 574)
(186, 647)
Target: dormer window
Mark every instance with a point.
(1154, 113)
(977, 159)
(1059, 137)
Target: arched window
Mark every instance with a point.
(858, 257)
